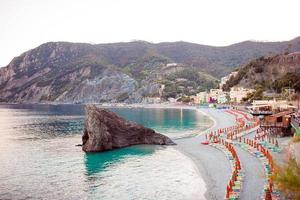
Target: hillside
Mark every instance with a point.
(78, 72)
(269, 73)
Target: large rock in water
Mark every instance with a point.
(104, 130)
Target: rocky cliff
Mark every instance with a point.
(104, 130)
(122, 72)
(270, 73)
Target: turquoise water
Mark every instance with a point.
(39, 160)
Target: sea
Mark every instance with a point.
(39, 158)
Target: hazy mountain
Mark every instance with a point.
(70, 72)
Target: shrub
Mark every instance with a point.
(287, 179)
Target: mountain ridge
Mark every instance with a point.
(82, 72)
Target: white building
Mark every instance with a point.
(201, 97)
(222, 97)
(238, 93)
(214, 95)
(171, 64)
(273, 104)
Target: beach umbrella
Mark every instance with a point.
(271, 186)
(231, 183)
(268, 195)
(227, 191)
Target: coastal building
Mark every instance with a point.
(274, 105)
(201, 98)
(217, 96)
(269, 107)
(238, 93)
(213, 95)
(279, 123)
(281, 119)
(222, 97)
(171, 64)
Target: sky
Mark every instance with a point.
(25, 24)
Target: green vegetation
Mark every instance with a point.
(185, 99)
(63, 66)
(288, 80)
(186, 82)
(256, 95)
(234, 80)
(122, 97)
(287, 179)
(269, 73)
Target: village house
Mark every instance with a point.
(214, 96)
(238, 93)
(279, 123)
(201, 98)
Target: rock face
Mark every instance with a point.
(104, 130)
(273, 73)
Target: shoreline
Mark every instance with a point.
(190, 147)
(201, 170)
(211, 164)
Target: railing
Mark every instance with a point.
(271, 124)
(261, 112)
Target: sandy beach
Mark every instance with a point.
(214, 166)
(212, 163)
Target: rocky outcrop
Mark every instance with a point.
(104, 130)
